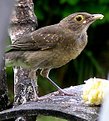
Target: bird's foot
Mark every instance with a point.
(50, 96)
(57, 93)
(63, 93)
(43, 98)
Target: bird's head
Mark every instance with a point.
(79, 21)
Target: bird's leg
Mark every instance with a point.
(33, 77)
(45, 73)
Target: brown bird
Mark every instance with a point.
(52, 46)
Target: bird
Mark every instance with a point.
(52, 46)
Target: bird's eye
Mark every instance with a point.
(79, 18)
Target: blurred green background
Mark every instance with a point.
(93, 61)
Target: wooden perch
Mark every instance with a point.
(67, 107)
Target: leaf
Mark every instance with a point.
(95, 63)
(62, 1)
(39, 13)
(103, 1)
(72, 2)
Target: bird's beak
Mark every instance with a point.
(92, 18)
(97, 16)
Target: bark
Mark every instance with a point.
(23, 21)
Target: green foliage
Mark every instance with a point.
(70, 2)
(46, 10)
(86, 66)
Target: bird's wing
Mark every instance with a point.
(41, 39)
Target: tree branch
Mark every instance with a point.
(23, 21)
(67, 107)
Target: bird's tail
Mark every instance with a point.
(13, 58)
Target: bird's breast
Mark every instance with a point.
(72, 49)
